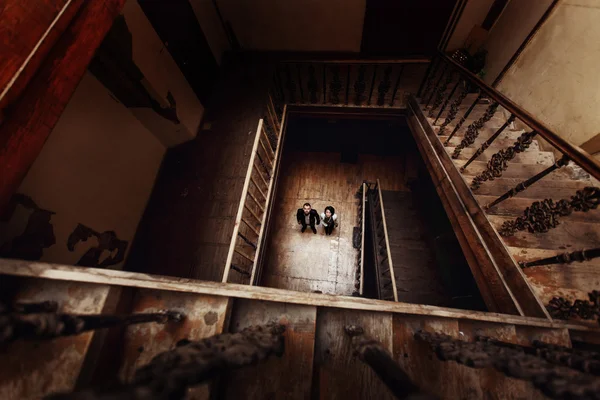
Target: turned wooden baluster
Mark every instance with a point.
(290, 84)
(447, 101)
(335, 87)
(299, 72)
(360, 85)
(473, 129)
(488, 142)
(525, 184)
(372, 84)
(462, 119)
(499, 161)
(396, 86)
(544, 215)
(426, 83)
(564, 258)
(439, 96)
(312, 84)
(384, 86)
(437, 84)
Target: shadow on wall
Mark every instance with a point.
(38, 234)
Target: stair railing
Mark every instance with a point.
(384, 266)
(247, 239)
(371, 83)
(438, 92)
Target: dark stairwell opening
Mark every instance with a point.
(324, 161)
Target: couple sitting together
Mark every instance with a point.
(306, 216)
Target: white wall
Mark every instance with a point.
(473, 14)
(163, 74)
(211, 27)
(296, 25)
(514, 25)
(556, 77)
(97, 168)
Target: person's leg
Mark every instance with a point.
(303, 227)
(313, 229)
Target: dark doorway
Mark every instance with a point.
(178, 28)
(404, 28)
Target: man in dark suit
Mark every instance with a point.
(307, 216)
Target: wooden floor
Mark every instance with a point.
(308, 262)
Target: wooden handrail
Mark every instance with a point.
(239, 216)
(387, 242)
(575, 153)
(263, 222)
(362, 240)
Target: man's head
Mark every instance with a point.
(306, 207)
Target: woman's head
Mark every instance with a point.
(329, 211)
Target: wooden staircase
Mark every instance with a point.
(577, 231)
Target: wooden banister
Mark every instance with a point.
(575, 153)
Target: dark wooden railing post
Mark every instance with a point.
(447, 101)
(372, 84)
(396, 86)
(312, 84)
(324, 83)
(360, 84)
(298, 69)
(348, 83)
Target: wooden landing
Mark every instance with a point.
(308, 262)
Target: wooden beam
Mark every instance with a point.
(38, 24)
(387, 243)
(260, 176)
(270, 151)
(36, 112)
(38, 270)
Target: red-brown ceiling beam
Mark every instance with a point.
(29, 120)
(29, 29)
